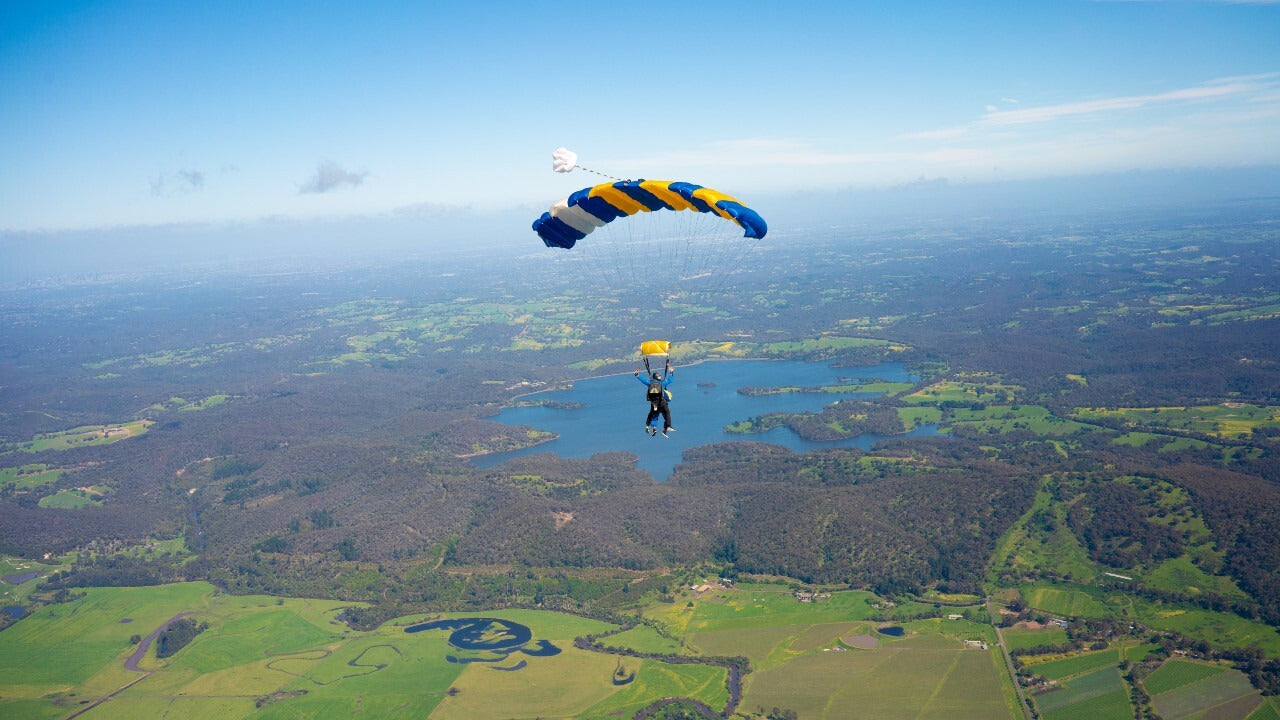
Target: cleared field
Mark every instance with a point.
(1234, 421)
(898, 680)
(657, 680)
(290, 658)
(642, 638)
(1268, 710)
(1021, 639)
(1176, 673)
(25, 477)
(1075, 665)
(83, 436)
(1065, 601)
(1180, 574)
(1100, 694)
(1203, 694)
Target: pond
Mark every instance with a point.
(19, 578)
(893, 631)
(607, 414)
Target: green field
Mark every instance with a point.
(1221, 690)
(800, 662)
(1099, 695)
(290, 658)
(1218, 628)
(83, 436)
(1268, 710)
(71, 500)
(26, 477)
(1176, 673)
(1019, 639)
(1075, 664)
(912, 678)
(1229, 421)
(642, 638)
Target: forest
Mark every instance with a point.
(309, 434)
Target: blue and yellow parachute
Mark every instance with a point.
(574, 217)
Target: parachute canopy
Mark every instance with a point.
(654, 348)
(574, 217)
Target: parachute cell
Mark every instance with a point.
(576, 216)
(655, 348)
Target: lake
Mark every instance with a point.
(608, 412)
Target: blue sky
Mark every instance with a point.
(124, 114)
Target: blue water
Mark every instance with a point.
(613, 411)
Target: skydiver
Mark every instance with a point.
(657, 396)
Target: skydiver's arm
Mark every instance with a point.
(643, 380)
(671, 375)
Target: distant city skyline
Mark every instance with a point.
(131, 114)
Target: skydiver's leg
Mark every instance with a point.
(648, 421)
(666, 418)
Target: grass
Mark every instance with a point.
(1198, 696)
(27, 477)
(1233, 421)
(83, 436)
(1181, 574)
(1022, 639)
(1075, 664)
(1009, 418)
(289, 658)
(1268, 710)
(1100, 685)
(898, 680)
(642, 638)
(1069, 601)
(75, 499)
(1176, 673)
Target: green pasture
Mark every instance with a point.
(1268, 710)
(824, 345)
(969, 388)
(83, 436)
(1216, 628)
(1260, 312)
(1227, 688)
(1100, 695)
(914, 417)
(1181, 574)
(1076, 664)
(1230, 421)
(1023, 639)
(82, 644)
(1067, 601)
(26, 477)
(75, 499)
(751, 606)
(290, 658)
(1028, 547)
(912, 678)
(1005, 419)
(656, 679)
(642, 638)
(1176, 673)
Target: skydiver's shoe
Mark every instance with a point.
(651, 430)
(670, 429)
(664, 433)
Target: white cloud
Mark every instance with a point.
(1219, 89)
